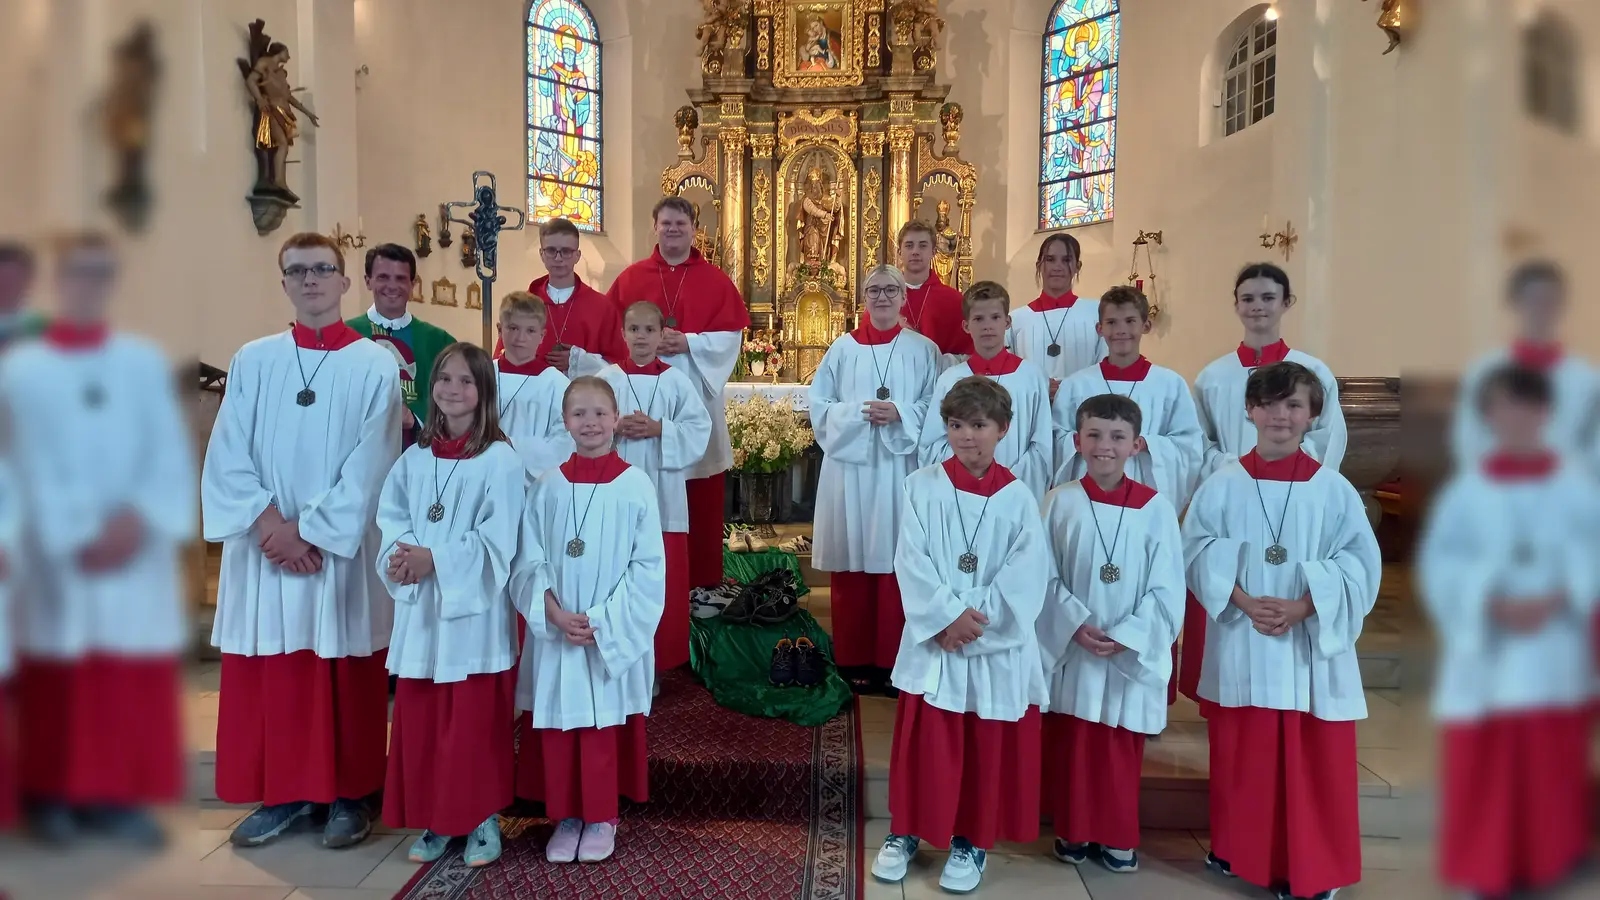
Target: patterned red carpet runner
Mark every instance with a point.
(741, 808)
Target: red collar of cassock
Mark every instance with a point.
(1045, 303)
(593, 469)
(990, 484)
(450, 448)
(1504, 466)
(65, 334)
(1129, 493)
(332, 337)
(867, 335)
(1004, 363)
(1536, 355)
(541, 289)
(1137, 371)
(653, 367)
(694, 259)
(1275, 352)
(531, 367)
(1297, 466)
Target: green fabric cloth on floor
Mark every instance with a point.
(735, 662)
(745, 567)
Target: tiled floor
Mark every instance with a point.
(1392, 745)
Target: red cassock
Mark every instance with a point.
(1091, 781)
(451, 753)
(1515, 800)
(8, 760)
(1284, 798)
(695, 297)
(868, 618)
(102, 729)
(672, 635)
(934, 311)
(1186, 665)
(580, 773)
(958, 775)
(296, 727)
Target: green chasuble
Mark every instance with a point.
(21, 326)
(414, 348)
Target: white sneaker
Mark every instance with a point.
(894, 857)
(563, 846)
(1119, 861)
(964, 869)
(599, 841)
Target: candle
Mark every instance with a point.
(1266, 223)
(361, 225)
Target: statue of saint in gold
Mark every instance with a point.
(276, 127)
(945, 244)
(819, 219)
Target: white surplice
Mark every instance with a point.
(1489, 538)
(708, 364)
(999, 675)
(1171, 428)
(95, 431)
(458, 621)
(1332, 553)
(1142, 610)
(619, 582)
(1073, 328)
(530, 416)
(1027, 449)
(859, 490)
(1574, 424)
(671, 399)
(1229, 433)
(322, 464)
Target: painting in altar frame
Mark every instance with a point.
(820, 45)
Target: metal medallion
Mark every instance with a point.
(1110, 574)
(306, 397)
(575, 548)
(883, 392)
(93, 396)
(672, 321)
(968, 562)
(436, 512)
(1277, 555)
(1053, 350)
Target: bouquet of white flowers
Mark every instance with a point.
(766, 436)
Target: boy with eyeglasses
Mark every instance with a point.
(306, 434)
(583, 333)
(391, 271)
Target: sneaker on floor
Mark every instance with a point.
(483, 844)
(809, 666)
(964, 869)
(894, 857)
(427, 847)
(782, 670)
(1119, 861)
(268, 823)
(1219, 866)
(1076, 854)
(129, 825)
(349, 823)
(53, 823)
(563, 846)
(1325, 895)
(599, 841)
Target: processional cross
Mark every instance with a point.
(487, 219)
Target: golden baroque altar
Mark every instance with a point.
(811, 139)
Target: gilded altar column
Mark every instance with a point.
(761, 294)
(902, 135)
(871, 214)
(733, 136)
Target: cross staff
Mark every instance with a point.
(487, 219)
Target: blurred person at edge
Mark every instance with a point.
(10, 526)
(17, 320)
(1506, 572)
(100, 618)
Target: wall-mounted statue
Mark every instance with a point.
(274, 124)
(723, 21)
(128, 104)
(424, 236)
(469, 249)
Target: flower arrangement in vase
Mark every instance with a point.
(759, 356)
(766, 437)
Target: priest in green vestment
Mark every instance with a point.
(17, 321)
(391, 271)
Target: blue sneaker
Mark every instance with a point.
(1075, 854)
(1219, 865)
(349, 823)
(964, 869)
(1119, 861)
(894, 857)
(268, 823)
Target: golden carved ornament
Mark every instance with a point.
(688, 168)
(765, 7)
(807, 125)
(686, 120)
(844, 69)
(872, 143)
(901, 105)
(733, 138)
(761, 224)
(764, 43)
(733, 109)
(929, 167)
(874, 41)
(950, 116)
(900, 137)
(761, 144)
(872, 220)
(1392, 20)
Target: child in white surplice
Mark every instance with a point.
(1106, 634)
(1281, 557)
(590, 578)
(973, 565)
(450, 513)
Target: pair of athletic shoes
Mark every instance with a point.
(1221, 867)
(797, 662)
(963, 869)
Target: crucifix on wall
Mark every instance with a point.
(486, 219)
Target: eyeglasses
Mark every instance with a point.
(321, 270)
(559, 252)
(883, 291)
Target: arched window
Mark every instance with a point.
(1250, 78)
(564, 148)
(1078, 150)
(1550, 73)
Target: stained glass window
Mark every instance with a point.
(1078, 121)
(564, 145)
